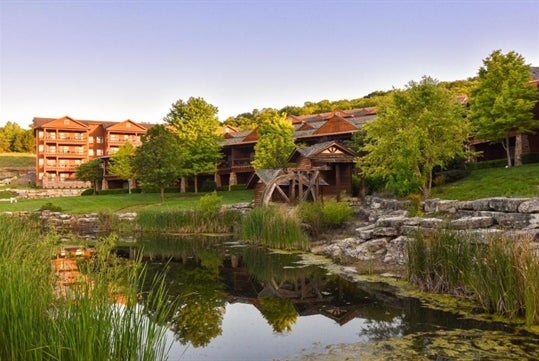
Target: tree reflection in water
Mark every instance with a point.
(208, 275)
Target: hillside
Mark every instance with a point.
(17, 168)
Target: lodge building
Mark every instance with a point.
(63, 144)
(323, 162)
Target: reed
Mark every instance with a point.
(501, 275)
(188, 221)
(274, 227)
(40, 319)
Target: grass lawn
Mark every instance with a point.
(123, 202)
(520, 181)
(15, 160)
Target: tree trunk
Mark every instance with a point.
(182, 184)
(162, 194)
(196, 184)
(505, 145)
(518, 149)
(129, 186)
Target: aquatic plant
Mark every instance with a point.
(273, 227)
(197, 220)
(97, 316)
(322, 216)
(500, 274)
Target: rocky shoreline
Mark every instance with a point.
(376, 240)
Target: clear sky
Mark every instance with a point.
(118, 60)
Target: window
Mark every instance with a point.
(99, 152)
(99, 139)
(91, 139)
(91, 152)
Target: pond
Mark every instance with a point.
(241, 302)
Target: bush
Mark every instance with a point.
(452, 175)
(497, 163)
(7, 194)
(530, 158)
(210, 205)
(414, 205)
(336, 213)
(238, 187)
(208, 185)
(50, 207)
(324, 216)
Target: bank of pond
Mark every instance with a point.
(166, 296)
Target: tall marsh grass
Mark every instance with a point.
(501, 275)
(274, 227)
(99, 317)
(207, 217)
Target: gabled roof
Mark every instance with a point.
(64, 122)
(251, 137)
(330, 150)
(126, 125)
(336, 124)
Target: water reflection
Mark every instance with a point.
(245, 303)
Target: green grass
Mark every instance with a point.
(123, 202)
(16, 160)
(81, 321)
(501, 276)
(520, 181)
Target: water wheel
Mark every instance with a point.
(293, 186)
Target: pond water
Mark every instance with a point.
(241, 302)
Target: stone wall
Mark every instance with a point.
(383, 226)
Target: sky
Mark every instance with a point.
(118, 60)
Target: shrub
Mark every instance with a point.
(210, 205)
(208, 185)
(336, 213)
(530, 158)
(324, 216)
(50, 207)
(414, 205)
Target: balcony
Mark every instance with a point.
(78, 139)
(238, 165)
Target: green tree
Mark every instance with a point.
(13, 138)
(91, 171)
(418, 129)
(158, 159)
(502, 102)
(197, 127)
(121, 164)
(275, 142)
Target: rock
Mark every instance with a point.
(385, 232)
(529, 206)
(365, 233)
(508, 220)
(472, 222)
(503, 204)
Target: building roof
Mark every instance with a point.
(314, 125)
(39, 122)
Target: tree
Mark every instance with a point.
(418, 129)
(197, 127)
(502, 102)
(91, 171)
(275, 142)
(121, 164)
(158, 159)
(15, 139)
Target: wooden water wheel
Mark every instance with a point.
(293, 186)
